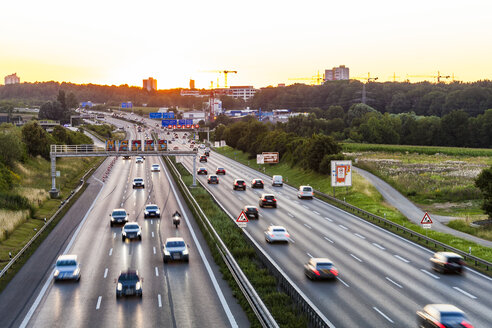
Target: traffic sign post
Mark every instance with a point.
(242, 220)
(426, 222)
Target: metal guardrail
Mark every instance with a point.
(260, 309)
(47, 223)
(419, 236)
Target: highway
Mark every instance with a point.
(384, 279)
(174, 295)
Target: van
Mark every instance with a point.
(277, 180)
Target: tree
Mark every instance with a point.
(484, 183)
(72, 101)
(11, 149)
(455, 128)
(36, 140)
(356, 112)
(318, 146)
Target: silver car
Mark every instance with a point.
(119, 215)
(67, 267)
(276, 234)
(305, 192)
(175, 249)
(131, 230)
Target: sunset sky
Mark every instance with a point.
(267, 42)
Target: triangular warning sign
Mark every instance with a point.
(242, 217)
(426, 219)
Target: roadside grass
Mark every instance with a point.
(361, 195)
(280, 305)
(9, 220)
(429, 150)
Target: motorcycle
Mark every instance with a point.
(176, 219)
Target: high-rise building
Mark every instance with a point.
(150, 84)
(337, 73)
(12, 79)
(192, 84)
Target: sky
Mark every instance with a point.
(267, 42)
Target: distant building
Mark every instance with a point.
(150, 84)
(195, 116)
(192, 84)
(337, 73)
(281, 85)
(244, 92)
(12, 79)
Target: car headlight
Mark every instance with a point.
(120, 286)
(157, 212)
(57, 273)
(166, 252)
(139, 232)
(146, 212)
(124, 233)
(138, 286)
(76, 272)
(185, 252)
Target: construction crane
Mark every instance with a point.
(315, 80)
(394, 77)
(225, 72)
(438, 77)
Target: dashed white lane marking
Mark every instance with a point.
(331, 241)
(114, 235)
(260, 215)
(296, 201)
(288, 213)
(292, 240)
(134, 203)
(429, 274)
(343, 227)
(343, 282)
(355, 257)
(379, 246)
(393, 282)
(154, 249)
(305, 207)
(402, 259)
(316, 212)
(105, 273)
(307, 226)
(121, 205)
(152, 234)
(151, 221)
(465, 293)
(309, 255)
(328, 219)
(156, 272)
(110, 252)
(98, 305)
(360, 236)
(159, 300)
(381, 313)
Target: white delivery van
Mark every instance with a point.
(277, 180)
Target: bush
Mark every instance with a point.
(13, 202)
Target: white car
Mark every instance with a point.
(305, 192)
(277, 180)
(139, 160)
(119, 215)
(131, 230)
(276, 234)
(175, 249)
(152, 210)
(67, 267)
(138, 183)
(155, 168)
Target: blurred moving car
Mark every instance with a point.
(442, 316)
(213, 179)
(268, 200)
(251, 211)
(220, 170)
(118, 215)
(320, 268)
(139, 159)
(126, 157)
(155, 168)
(175, 249)
(305, 192)
(129, 284)
(131, 230)
(175, 148)
(277, 180)
(203, 158)
(447, 262)
(202, 170)
(152, 211)
(138, 183)
(67, 267)
(207, 153)
(276, 234)
(239, 184)
(257, 183)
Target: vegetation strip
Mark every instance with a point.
(280, 305)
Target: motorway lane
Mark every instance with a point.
(377, 284)
(177, 295)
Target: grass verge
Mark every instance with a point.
(280, 305)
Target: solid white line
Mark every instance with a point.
(159, 300)
(343, 282)
(429, 274)
(156, 272)
(98, 305)
(110, 252)
(360, 236)
(105, 273)
(309, 255)
(384, 315)
(223, 301)
(402, 259)
(307, 226)
(479, 274)
(355, 257)
(331, 241)
(395, 283)
(379, 246)
(154, 249)
(316, 212)
(328, 219)
(288, 213)
(343, 227)
(114, 235)
(466, 293)
(152, 234)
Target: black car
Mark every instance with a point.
(207, 153)
(213, 179)
(442, 316)
(203, 158)
(239, 184)
(129, 284)
(202, 170)
(251, 211)
(447, 262)
(268, 200)
(257, 183)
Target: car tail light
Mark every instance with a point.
(261, 181)
(271, 235)
(287, 235)
(334, 272)
(316, 272)
(466, 324)
(438, 324)
(274, 200)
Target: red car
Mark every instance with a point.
(220, 170)
(202, 170)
